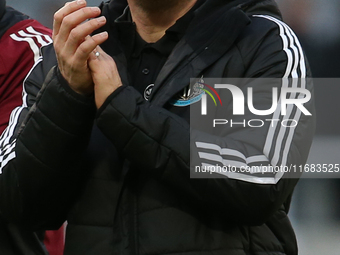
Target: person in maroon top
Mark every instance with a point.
(20, 41)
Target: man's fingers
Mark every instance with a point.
(68, 8)
(75, 19)
(78, 34)
(89, 45)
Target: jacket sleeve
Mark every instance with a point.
(40, 147)
(157, 141)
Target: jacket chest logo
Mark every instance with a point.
(189, 95)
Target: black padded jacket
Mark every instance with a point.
(121, 175)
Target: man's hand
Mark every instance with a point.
(105, 75)
(73, 43)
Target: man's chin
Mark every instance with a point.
(152, 6)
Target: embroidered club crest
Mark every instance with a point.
(189, 95)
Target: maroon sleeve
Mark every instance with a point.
(20, 49)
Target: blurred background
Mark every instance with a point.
(315, 211)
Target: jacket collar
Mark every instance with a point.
(213, 31)
(205, 42)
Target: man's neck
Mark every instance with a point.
(153, 22)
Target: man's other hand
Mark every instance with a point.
(105, 75)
